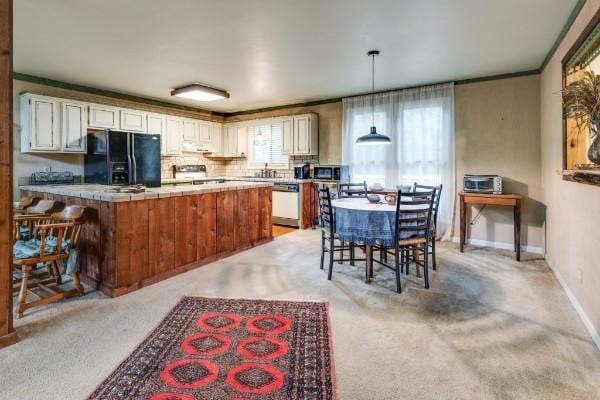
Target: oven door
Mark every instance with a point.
(479, 184)
(323, 173)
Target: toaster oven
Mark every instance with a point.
(490, 184)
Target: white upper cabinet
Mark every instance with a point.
(216, 130)
(39, 123)
(173, 136)
(73, 126)
(306, 135)
(287, 136)
(190, 130)
(229, 139)
(133, 121)
(204, 132)
(104, 117)
(156, 124)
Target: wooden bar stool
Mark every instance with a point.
(51, 242)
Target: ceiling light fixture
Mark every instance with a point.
(373, 138)
(199, 93)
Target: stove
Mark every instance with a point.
(196, 173)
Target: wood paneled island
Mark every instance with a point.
(133, 240)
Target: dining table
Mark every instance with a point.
(357, 220)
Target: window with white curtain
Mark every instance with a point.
(420, 124)
(265, 146)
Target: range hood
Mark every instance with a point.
(188, 147)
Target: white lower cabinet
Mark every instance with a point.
(73, 117)
(39, 124)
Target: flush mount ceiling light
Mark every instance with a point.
(199, 93)
(373, 138)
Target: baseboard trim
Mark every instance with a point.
(500, 245)
(8, 339)
(578, 309)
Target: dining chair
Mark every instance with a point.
(328, 235)
(24, 219)
(53, 240)
(352, 190)
(23, 203)
(412, 227)
(436, 205)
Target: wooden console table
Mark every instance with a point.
(512, 200)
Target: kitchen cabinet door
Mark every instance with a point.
(301, 135)
(216, 137)
(241, 142)
(190, 131)
(133, 121)
(230, 140)
(156, 124)
(287, 136)
(73, 126)
(39, 123)
(204, 132)
(306, 134)
(100, 116)
(174, 136)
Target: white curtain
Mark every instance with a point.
(420, 123)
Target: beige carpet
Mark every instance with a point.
(489, 327)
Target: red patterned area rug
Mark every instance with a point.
(230, 349)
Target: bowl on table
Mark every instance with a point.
(373, 198)
(376, 187)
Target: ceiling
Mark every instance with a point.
(273, 52)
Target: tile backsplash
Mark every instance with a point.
(214, 167)
(227, 167)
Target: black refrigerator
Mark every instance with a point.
(122, 158)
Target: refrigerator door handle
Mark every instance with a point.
(133, 159)
(129, 161)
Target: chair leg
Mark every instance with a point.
(426, 265)
(407, 259)
(25, 271)
(433, 254)
(55, 272)
(331, 246)
(398, 287)
(352, 252)
(77, 283)
(341, 253)
(322, 249)
(417, 258)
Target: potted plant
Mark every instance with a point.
(581, 100)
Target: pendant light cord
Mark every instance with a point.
(373, 90)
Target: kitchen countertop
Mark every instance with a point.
(102, 193)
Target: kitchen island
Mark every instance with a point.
(133, 240)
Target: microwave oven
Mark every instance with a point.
(490, 184)
(335, 173)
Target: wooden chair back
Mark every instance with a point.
(352, 190)
(326, 217)
(41, 207)
(413, 214)
(25, 202)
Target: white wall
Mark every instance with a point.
(573, 209)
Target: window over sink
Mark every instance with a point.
(264, 145)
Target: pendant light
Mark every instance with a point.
(373, 138)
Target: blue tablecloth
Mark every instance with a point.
(368, 227)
